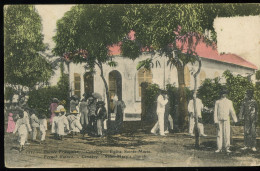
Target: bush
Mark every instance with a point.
(257, 75)
(209, 91)
(42, 98)
(257, 97)
(9, 92)
(237, 86)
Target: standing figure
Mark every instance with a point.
(101, 114)
(25, 111)
(119, 107)
(166, 118)
(53, 107)
(162, 100)
(74, 103)
(74, 122)
(248, 112)
(54, 124)
(92, 115)
(60, 124)
(191, 112)
(43, 126)
(22, 127)
(83, 108)
(223, 109)
(35, 124)
(11, 123)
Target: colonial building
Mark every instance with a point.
(124, 80)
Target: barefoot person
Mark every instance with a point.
(248, 112)
(223, 109)
(162, 100)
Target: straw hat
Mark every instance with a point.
(74, 112)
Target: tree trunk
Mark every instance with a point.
(197, 137)
(108, 98)
(69, 92)
(182, 100)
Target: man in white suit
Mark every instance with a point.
(223, 109)
(162, 100)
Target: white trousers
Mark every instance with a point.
(223, 138)
(43, 133)
(159, 124)
(192, 124)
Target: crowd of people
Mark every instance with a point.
(89, 116)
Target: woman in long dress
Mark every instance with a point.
(53, 107)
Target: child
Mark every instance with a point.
(22, 126)
(43, 126)
(61, 123)
(74, 122)
(11, 123)
(35, 125)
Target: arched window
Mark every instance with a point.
(144, 76)
(202, 76)
(187, 76)
(114, 86)
(89, 83)
(77, 84)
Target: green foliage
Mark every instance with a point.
(92, 28)
(23, 40)
(130, 49)
(9, 92)
(257, 75)
(209, 91)
(257, 98)
(41, 99)
(237, 86)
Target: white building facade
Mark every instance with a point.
(124, 80)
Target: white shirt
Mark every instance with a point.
(224, 108)
(161, 102)
(199, 107)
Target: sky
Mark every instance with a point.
(238, 35)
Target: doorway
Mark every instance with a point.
(115, 86)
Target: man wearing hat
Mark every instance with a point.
(162, 100)
(223, 110)
(248, 112)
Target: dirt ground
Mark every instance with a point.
(135, 148)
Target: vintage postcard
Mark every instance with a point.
(131, 85)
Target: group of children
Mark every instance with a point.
(20, 122)
(24, 121)
(63, 124)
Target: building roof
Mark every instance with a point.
(203, 50)
(210, 52)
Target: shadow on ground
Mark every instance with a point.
(116, 141)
